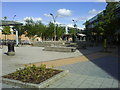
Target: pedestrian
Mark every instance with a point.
(105, 44)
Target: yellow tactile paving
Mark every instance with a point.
(61, 62)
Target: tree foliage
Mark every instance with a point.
(4, 17)
(46, 32)
(72, 31)
(60, 31)
(110, 18)
(20, 29)
(107, 22)
(6, 30)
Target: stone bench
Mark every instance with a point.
(60, 49)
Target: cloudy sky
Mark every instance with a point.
(65, 11)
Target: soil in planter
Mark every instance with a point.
(33, 74)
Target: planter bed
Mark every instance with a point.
(33, 77)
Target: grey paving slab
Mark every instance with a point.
(94, 86)
(94, 74)
(99, 67)
(84, 85)
(84, 82)
(8, 86)
(65, 84)
(78, 82)
(107, 83)
(115, 84)
(99, 80)
(82, 75)
(27, 55)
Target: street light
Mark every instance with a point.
(75, 31)
(54, 19)
(74, 21)
(16, 32)
(14, 17)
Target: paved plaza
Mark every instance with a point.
(89, 68)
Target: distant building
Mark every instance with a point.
(94, 20)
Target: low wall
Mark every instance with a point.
(60, 49)
(54, 43)
(49, 43)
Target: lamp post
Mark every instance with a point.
(75, 26)
(75, 30)
(16, 32)
(14, 17)
(54, 20)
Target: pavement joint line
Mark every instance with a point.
(102, 82)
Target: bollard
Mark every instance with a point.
(11, 51)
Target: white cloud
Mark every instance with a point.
(94, 11)
(70, 25)
(34, 19)
(64, 12)
(82, 19)
(47, 15)
(58, 23)
(89, 17)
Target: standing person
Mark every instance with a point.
(105, 44)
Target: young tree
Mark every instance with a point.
(4, 17)
(30, 28)
(6, 31)
(71, 31)
(39, 29)
(49, 31)
(109, 18)
(60, 31)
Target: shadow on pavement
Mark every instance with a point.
(107, 61)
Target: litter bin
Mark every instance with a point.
(11, 51)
